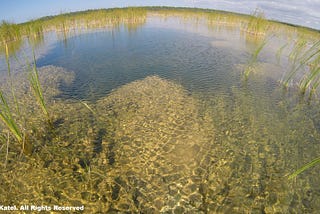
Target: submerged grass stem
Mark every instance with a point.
(305, 167)
(253, 60)
(36, 88)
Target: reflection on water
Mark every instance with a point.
(168, 126)
(106, 60)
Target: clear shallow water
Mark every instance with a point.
(103, 61)
(173, 126)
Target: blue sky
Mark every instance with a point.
(302, 12)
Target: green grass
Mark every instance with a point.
(253, 60)
(304, 168)
(7, 118)
(258, 25)
(36, 88)
(9, 32)
(296, 64)
(255, 24)
(9, 115)
(279, 52)
(34, 29)
(7, 56)
(312, 61)
(305, 59)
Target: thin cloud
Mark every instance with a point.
(306, 13)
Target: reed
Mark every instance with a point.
(9, 32)
(34, 31)
(257, 25)
(279, 52)
(7, 118)
(298, 49)
(253, 60)
(310, 81)
(305, 60)
(254, 25)
(311, 78)
(10, 78)
(36, 88)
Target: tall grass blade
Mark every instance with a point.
(300, 60)
(305, 167)
(7, 118)
(279, 52)
(252, 61)
(257, 24)
(306, 82)
(10, 78)
(258, 50)
(36, 88)
(88, 107)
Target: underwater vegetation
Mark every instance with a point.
(304, 56)
(304, 167)
(152, 144)
(251, 65)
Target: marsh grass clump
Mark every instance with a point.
(9, 32)
(311, 59)
(9, 115)
(257, 24)
(305, 67)
(294, 56)
(94, 18)
(14, 128)
(13, 118)
(35, 29)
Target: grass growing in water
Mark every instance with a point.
(253, 60)
(10, 78)
(7, 113)
(9, 32)
(257, 25)
(305, 167)
(311, 79)
(36, 88)
(8, 119)
(279, 52)
(307, 61)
